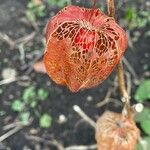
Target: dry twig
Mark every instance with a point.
(52, 142)
(82, 147)
(84, 116)
(5, 38)
(14, 79)
(25, 39)
(58, 145)
(13, 131)
(10, 133)
(7, 81)
(131, 70)
(130, 43)
(129, 84)
(15, 43)
(106, 99)
(11, 125)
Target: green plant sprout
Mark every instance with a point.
(24, 117)
(30, 99)
(59, 3)
(45, 121)
(136, 19)
(17, 105)
(143, 91)
(42, 94)
(142, 95)
(34, 11)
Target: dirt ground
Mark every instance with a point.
(20, 57)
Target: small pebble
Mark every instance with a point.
(62, 119)
(148, 4)
(11, 96)
(26, 148)
(33, 131)
(89, 98)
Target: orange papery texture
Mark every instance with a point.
(82, 47)
(116, 132)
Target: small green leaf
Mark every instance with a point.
(45, 121)
(130, 13)
(17, 105)
(142, 116)
(31, 16)
(33, 104)
(145, 125)
(29, 94)
(42, 94)
(31, 4)
(143, 91)
(40, 11)
(24, 117)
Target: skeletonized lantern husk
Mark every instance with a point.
(115, 131)
(83, 46)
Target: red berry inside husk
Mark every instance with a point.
(83, 47)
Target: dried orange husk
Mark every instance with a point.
(82, 47)
(39, 67)
(115, 131)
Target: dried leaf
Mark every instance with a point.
(39, 67)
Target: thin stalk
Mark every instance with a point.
(121, 79)
(111, 8)
(94, 3)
